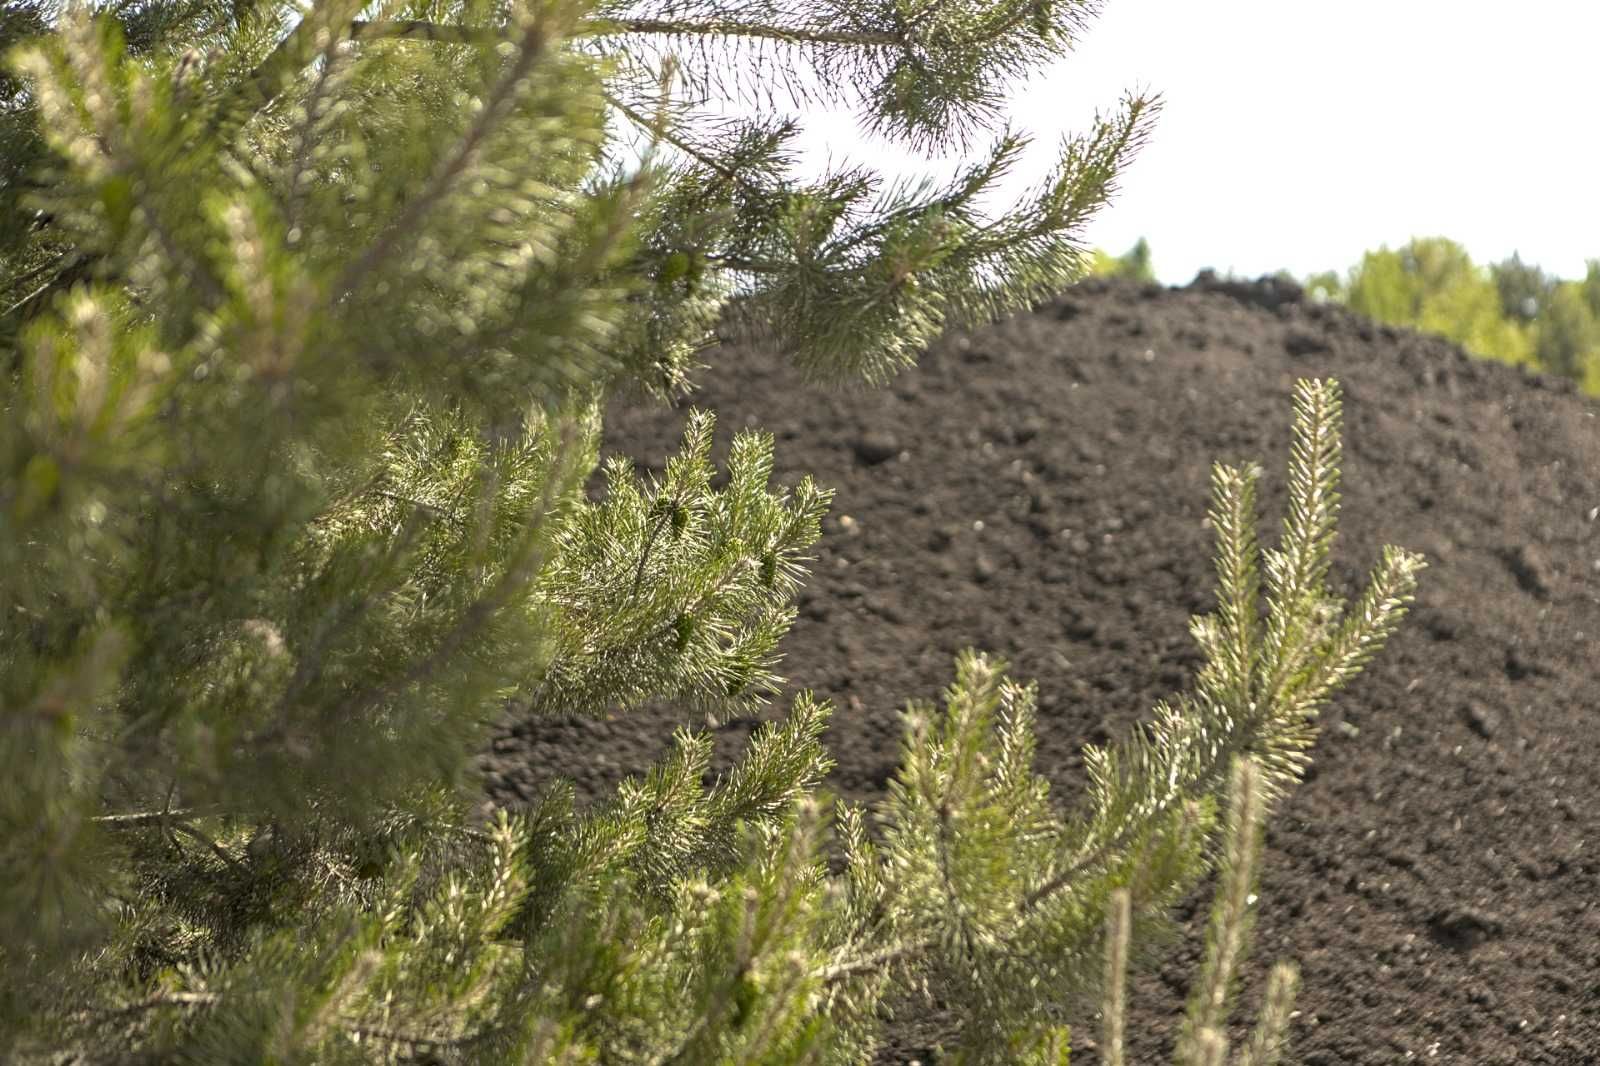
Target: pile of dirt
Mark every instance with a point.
(1037, 488)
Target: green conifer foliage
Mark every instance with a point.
(309, 329)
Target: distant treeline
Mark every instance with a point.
(1510, 311)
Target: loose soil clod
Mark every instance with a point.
(1037, 489)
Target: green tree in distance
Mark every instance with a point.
(315, 312)
(1591, 286)
(1514, 312)
(1432, 284)
(1525, 290)
(1568, 336)
(1135, 264)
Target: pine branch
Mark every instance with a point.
(193, 1000)
(1031, 903)
(263, 84)
(65, 261)
(1182, 754)
(535, 40)
(422, 1043)
(1271, 1032)
(447, 33)
(1230, 916)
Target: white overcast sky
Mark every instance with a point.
(1297, 135)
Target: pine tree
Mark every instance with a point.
(310, 319)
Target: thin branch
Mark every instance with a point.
(873, 962)
(188, 829)
(139, 819)
(394, 1036)
(160, 999)
(644, 557)
(723, 28)
(747, 266)
(447, 33)
(426, 1043)
(171, 821)
(32, 296)
(29, 275)
(427, 509)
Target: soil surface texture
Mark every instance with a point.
(1038, 489)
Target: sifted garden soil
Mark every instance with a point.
(1037, 489)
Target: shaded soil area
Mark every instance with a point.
(1037, 489)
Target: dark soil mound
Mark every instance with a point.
(1036, 489)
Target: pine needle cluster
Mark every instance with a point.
(309, 317)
